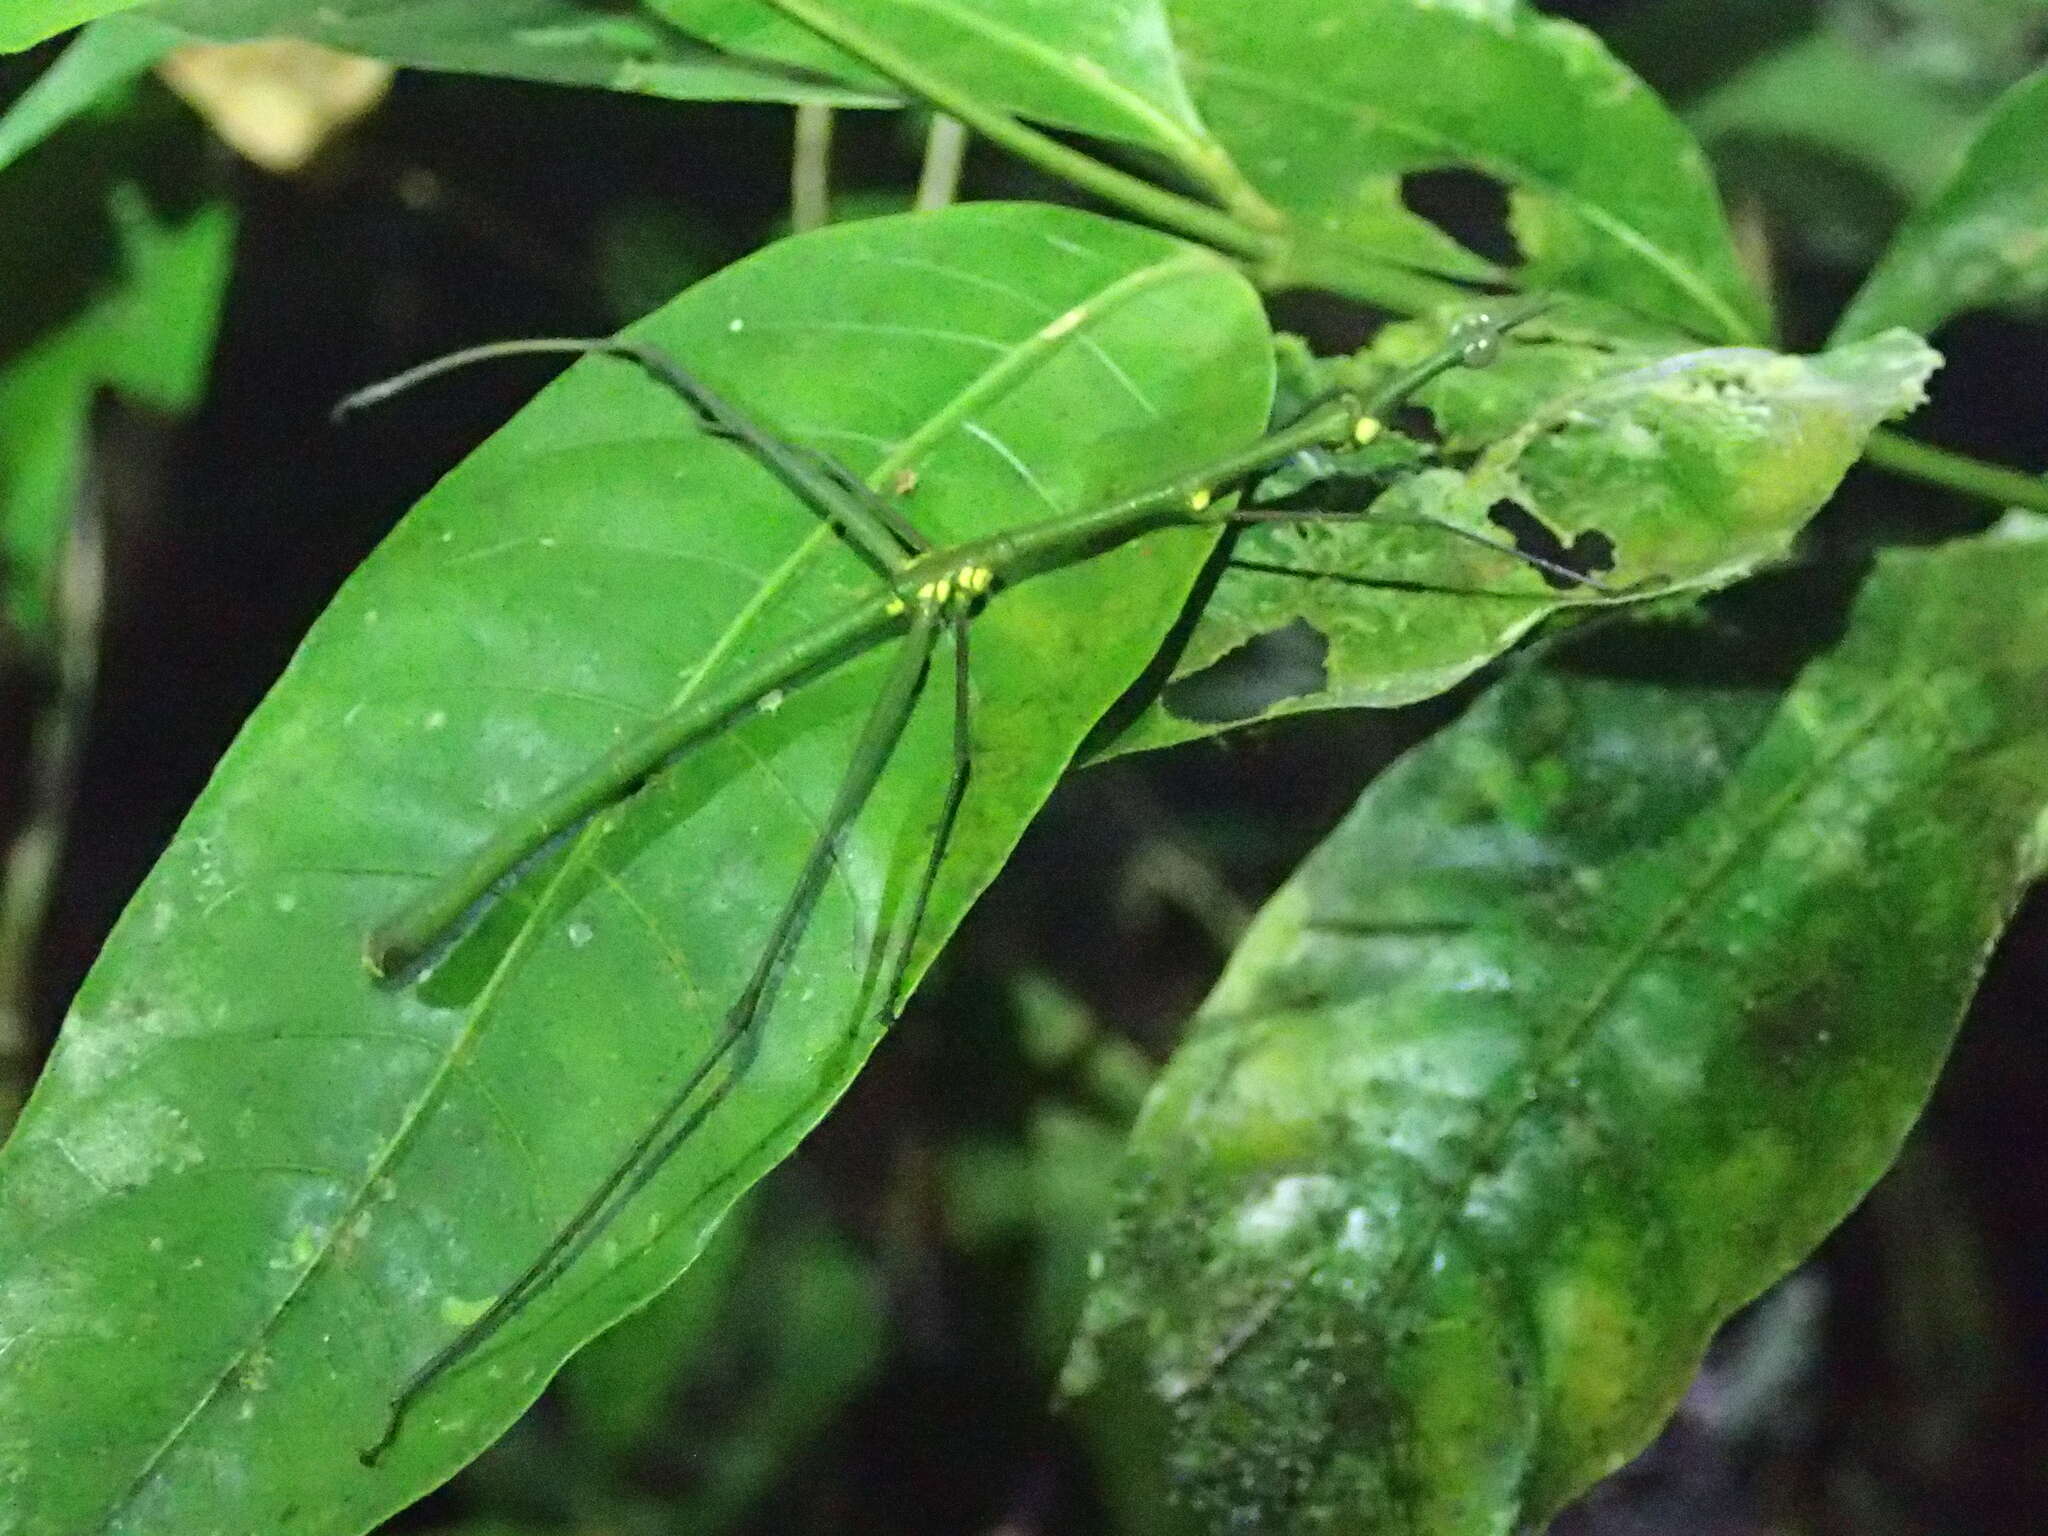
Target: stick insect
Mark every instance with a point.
(926, 596)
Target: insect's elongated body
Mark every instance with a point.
(976, 568)
(925, 595)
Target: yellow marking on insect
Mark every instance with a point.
(1366, 429)
(896, 605)
(976, 579)
(1199, 502)
(905, 482)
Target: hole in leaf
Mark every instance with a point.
(1266, 671)
(1469, 207)
(1589, 554)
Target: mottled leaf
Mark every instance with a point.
(256, 1190)
(1656, 471)
(1982, 240)
(1327, 108)
(1588, 1023)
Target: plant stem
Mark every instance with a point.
(1231, 232)
(1915, 460)
(810, 169)
(945, 152)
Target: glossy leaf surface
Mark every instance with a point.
(1683, 471)
(1982, 240)
(256, 1190)
(1103, 67)
(1326, 108)
(1588, 1023)
(561, 42)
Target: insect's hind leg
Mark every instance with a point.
(698, 1095)
(959, 624)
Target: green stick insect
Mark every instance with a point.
(925, 595)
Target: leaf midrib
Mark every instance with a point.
(1493, 1130)
(1017, 362)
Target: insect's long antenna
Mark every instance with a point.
(736, 1041)
(868, 520)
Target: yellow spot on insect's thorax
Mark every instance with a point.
(1365, 431)
(1199, 502)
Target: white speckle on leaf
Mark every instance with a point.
(127, 1141)
(286, 901)
(737, 325)
(1291, 1201)
(580, 934)
(437, 719)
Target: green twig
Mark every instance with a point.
(810, 169)
(1901, 455)
(1234, 231)
(945, 153)
(28, 866)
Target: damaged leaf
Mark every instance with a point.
(1650, 471)
(1592, 1019)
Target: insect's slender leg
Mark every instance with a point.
(1554, 568)
(678, 1119)
(959, 623)
(907, 533)
(866, 519)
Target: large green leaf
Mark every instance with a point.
(114, 275)
(1852, 102)
(564, 42)
(256, 1190)
(105, 56)
(1982, 240)
(1326, 108)
(1595, 1015)
(24, 23)
(1694, 468)
(1103, 67)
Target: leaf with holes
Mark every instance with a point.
(1983, 238)
(1591, 1020)
(256, 1190)
(1327, 108)
(1652, 471)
